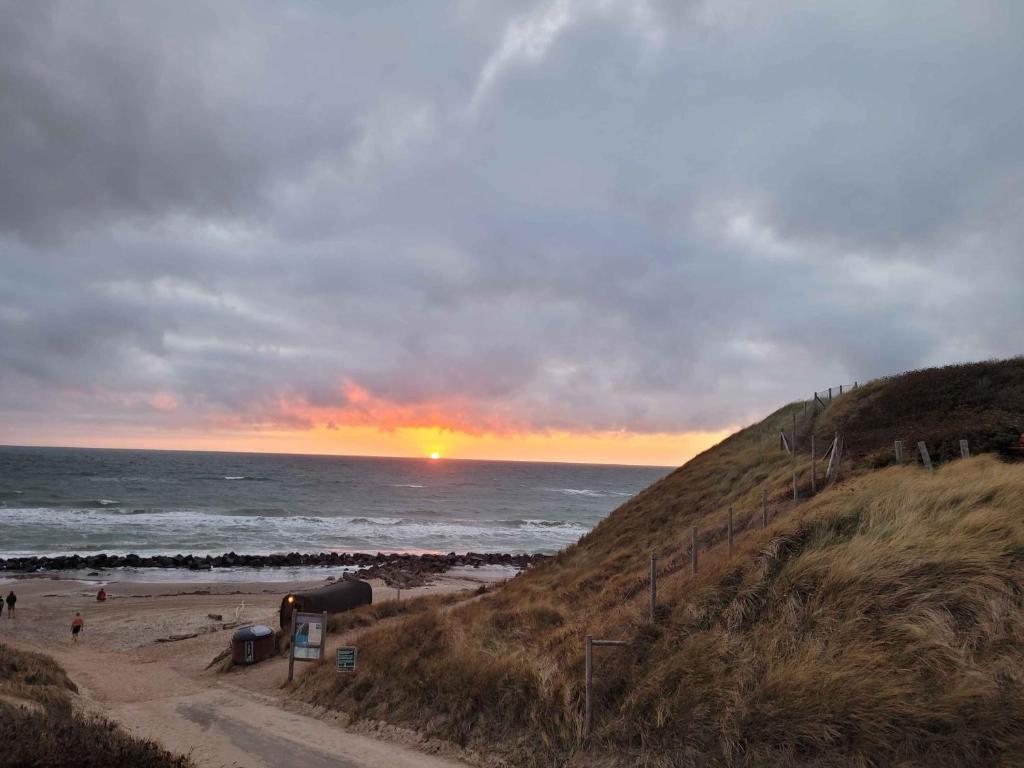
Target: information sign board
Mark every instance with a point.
(308, 642)
(345, 661)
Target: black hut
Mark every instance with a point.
(343, 595)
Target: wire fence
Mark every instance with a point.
(824, 398)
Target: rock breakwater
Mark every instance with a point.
(424, 563)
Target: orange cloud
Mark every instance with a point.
(666, 449)
(364, 424)
(362, 408)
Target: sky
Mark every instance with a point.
(561, 230)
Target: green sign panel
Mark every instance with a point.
(346, 659)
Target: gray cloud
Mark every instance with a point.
(568, 215)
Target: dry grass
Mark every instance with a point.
(979, 402)
(39, 728)
(879, 623)
(369, 615)
(35, 678)
(884, 628)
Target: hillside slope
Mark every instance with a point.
(877, 623)
(39, 725)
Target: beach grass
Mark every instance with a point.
(40, 725)
(878, 623)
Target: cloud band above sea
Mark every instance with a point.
(255, 222)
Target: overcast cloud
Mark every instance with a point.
(559, 215)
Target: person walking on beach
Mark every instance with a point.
(76, 626)
(11, 600)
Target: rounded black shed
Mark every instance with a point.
(342, 595)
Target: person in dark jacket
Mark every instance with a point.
(11, 600)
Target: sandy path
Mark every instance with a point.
(162, 691)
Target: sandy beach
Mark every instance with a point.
(130, 667)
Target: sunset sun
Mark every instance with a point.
(435, 455)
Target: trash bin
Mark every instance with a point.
(252, 644)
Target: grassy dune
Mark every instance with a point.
(879, 623)
(40, 729)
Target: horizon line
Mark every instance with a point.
(338, 455)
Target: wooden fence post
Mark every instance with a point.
(794, 457)
(764, 509)
(693, 549)
(898, 449)
(588, 706)
(654, 584)
(965, 451)
(291, 646)
(833, 460)
(925, 458)
(837, 454)
(588, 710)
(728, 526)
(814, 469)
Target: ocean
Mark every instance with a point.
(56, 501)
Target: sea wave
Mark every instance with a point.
(252, 512)
(306, 503)
(46, 530)
(534, 523)
(587, 492)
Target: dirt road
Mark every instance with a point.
(164, 692)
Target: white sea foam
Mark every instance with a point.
(49, 531)
(587, 492)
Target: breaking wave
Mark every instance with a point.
(587, 492)
(49, 531)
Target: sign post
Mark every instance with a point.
(309, 636)
(588, 705)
